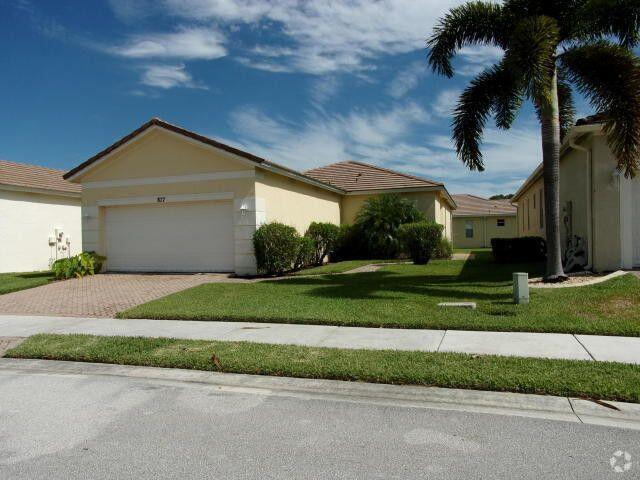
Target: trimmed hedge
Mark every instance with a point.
(420, 240)
(306, 253)
(520, 249)
(324, 235)
(276, 247)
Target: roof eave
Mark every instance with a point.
(42, 191)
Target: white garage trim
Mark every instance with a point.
(192, 197)
(198, 177)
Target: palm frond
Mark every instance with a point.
(476, 103)
(476, 22)
(610, 18)
(531, 53)
(609, 76)
(567, 106)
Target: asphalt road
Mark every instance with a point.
(55, 426)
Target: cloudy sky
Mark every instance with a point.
(302, 83)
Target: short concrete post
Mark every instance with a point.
(520, 287)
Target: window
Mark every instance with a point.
(541, 212)
(500, 222)
(468, 229)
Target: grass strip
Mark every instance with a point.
(13, 282)
(599, 380)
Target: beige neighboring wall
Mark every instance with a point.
(294, 202)
(160, 163)
(431, 203)
(484, 229)
(529, 211)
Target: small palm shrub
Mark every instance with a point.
(350, 244)
(324, 235)
(420, 240)
(444, 249)
(78, 266)
(379, 220)
(276, 247)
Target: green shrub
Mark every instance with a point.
(85, 263)
(306, 253)
(324, 236)
(276, 247)
(350, 244)
(420, 240)
(379, 220)
(444, 249)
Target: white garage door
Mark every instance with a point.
(170, 237)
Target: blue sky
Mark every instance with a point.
(302, 83)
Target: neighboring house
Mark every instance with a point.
(477, 220)
(39, 217)
(166, 199)
(600, 209)
(360, 181)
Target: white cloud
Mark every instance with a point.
(475, 59)
(325, 37)
(445, 102)
(186, 44)
(324, 88)
(168, 76)
(407, 79)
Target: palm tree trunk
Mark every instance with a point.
(550, 128)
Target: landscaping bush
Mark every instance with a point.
(324, 236)
(276, 247)
(517, 250)
(420, 240)
(307, 251)
(350, 244)
(444, 249)
(379, 220)
(78, 266)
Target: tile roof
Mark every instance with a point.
(32, 176)
(356, 176)
(473, 205)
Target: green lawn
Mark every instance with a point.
(406, 296)
(12, 282)
(340, 267)
(610, 381)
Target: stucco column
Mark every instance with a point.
(248, 215)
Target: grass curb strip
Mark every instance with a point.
(601, 380)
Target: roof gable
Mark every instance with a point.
(33, 177)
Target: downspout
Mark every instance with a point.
(590, 235)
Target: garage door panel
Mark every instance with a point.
(176, 237)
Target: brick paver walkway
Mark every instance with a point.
(99, 295)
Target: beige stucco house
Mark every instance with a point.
(477, 220)
(600, 208)
(166, 199)
(39, 217)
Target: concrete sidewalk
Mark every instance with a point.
(519, 344)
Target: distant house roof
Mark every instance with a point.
(353, 177)
(31, 177)
(357, 176)
(471, 205)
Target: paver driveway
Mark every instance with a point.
(99, 295)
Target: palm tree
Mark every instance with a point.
(550, 47)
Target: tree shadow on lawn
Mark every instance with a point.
(389, 285)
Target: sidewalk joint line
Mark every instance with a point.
(441, 340)
(585, 348)
(573, 410)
